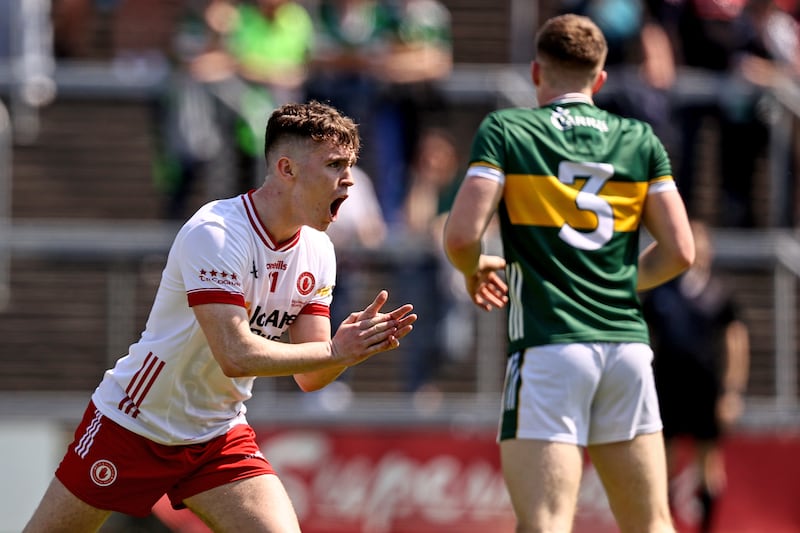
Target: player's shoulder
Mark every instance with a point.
(224, 216)
(508, 120)
(631, 124)
(218, 210)
(512, 114)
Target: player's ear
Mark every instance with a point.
(599, 81)
(285, 168)
(535, 72)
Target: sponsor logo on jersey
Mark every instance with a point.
(324, 291)
(275, 318)
(103, 473)
(278, 265)
(220, 277)
(562, 120)
(306, 283)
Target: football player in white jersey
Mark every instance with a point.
(169, 417)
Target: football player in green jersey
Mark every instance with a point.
(571, 185)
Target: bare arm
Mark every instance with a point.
(658, 66)
(672, 250)
(241, 353)
(737, 348)
(313, 328)
(735, 373)
(472, 210)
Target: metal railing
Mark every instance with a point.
(122, 244)
(5, 200)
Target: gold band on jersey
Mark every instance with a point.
(545, 201)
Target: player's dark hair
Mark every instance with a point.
(312, 120)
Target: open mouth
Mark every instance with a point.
(335, 205)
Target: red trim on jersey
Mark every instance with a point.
(316, 309)
(146, 375)
(214, 296)
(262, 231)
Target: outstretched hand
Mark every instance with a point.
(368, 332)
(485, 286)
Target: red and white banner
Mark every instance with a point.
(397, 480)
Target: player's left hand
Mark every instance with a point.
(485, 286)
(368, 332)
(402, 315)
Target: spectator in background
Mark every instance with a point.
(187, 125)
(768, 56)
(252, 56)
(419, 56)
(265, 42)
(379, 61)
(350, 42)
(716, 42)
(433, 182)
(259, 62)
(702, 354)
(640, 63)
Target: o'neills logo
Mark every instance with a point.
(103, 473)
(306, 283)
(278, 265)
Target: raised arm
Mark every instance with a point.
(241, 353)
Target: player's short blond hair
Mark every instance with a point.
(572, 43)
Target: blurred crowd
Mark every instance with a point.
(376, 60)
(697, 70)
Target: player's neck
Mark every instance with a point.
(275, 213)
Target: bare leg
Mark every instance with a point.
(543, 479)
(255, 504)
(634, 474)
(713, 480)
(60, 511)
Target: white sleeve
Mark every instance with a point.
(212, 263)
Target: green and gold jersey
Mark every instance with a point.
(575, 183)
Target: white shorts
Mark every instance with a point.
(581, 394)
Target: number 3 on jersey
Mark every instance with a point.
(596, 175)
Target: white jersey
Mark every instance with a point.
(169, 388)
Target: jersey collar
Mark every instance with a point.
(262, 231)
(570, 98)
